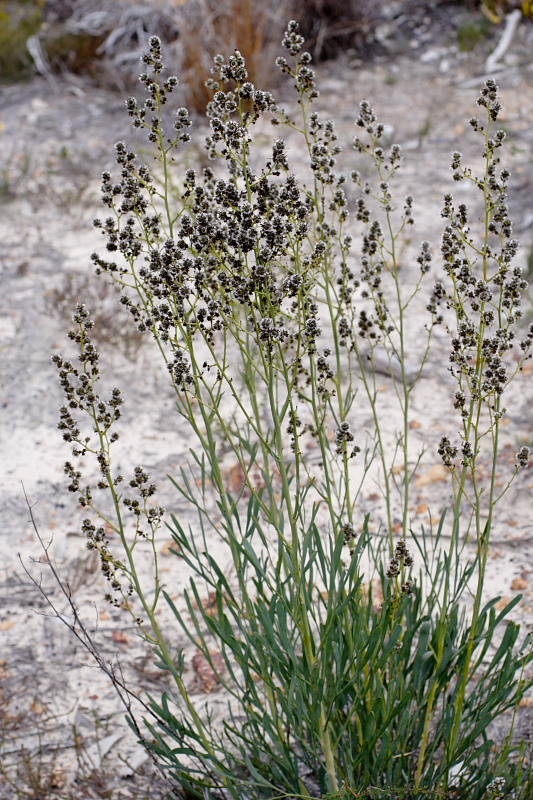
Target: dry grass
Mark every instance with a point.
(104, 40)
(209, 27)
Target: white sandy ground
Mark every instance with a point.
(53, 147)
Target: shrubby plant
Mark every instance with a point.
(273, 327)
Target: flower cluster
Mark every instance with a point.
(487, 289)
(158, 93)
(112, 569)
(304, 76)
(496, 788)
(447, 451)
(402, 558)
(79, 386)
(349, 536)
(490, 99)
(343, 441)
(522, 457)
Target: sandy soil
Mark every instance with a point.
(54, 142)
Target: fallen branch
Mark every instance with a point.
(511, 23)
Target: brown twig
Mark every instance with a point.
(87, 641)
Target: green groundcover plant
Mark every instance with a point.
(274, 296)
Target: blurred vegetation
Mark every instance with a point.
(75, 51)
(495, 10)
(19, 19)
(194, 31)
(474, 29)
(69, 39)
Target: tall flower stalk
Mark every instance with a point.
(484, 294)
